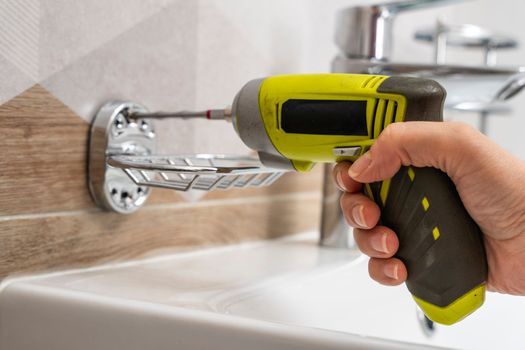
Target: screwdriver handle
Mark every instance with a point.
(439, 242)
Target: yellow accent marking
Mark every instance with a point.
(389, 115)
(383, 193)
(368, 191)
(455, 311)
(411, 174)
(380, 113)
(435, 233)
(425, 203)
(376, 80)
(372, 77)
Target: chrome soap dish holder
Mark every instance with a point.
(123, 167)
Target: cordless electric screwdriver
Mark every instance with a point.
(295, 121)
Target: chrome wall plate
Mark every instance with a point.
(115, 132)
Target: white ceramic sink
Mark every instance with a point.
(284, 294)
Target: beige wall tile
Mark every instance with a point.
(71, 29)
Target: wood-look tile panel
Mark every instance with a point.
(43, 155)
(87, 238)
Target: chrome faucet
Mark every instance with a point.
(366, 31)
(364, 37)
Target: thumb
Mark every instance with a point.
(441, 145)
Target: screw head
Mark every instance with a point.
(120, 121)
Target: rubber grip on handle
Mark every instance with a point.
(439, 242)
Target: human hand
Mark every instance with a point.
(488, 179)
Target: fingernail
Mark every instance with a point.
(378, 242)
(359, 216)
(391, 271)
(339, 181)
(360, 165)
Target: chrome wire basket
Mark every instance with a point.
(199, 172)
(123, 166)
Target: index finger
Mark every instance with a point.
(343, 180)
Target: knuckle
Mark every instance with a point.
(386, 154)
(389, 142)
(465, 146)
(393, 132)
(461, 128)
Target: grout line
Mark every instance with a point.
(177, 205)
(51, 214)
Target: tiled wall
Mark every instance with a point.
(60, 60)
